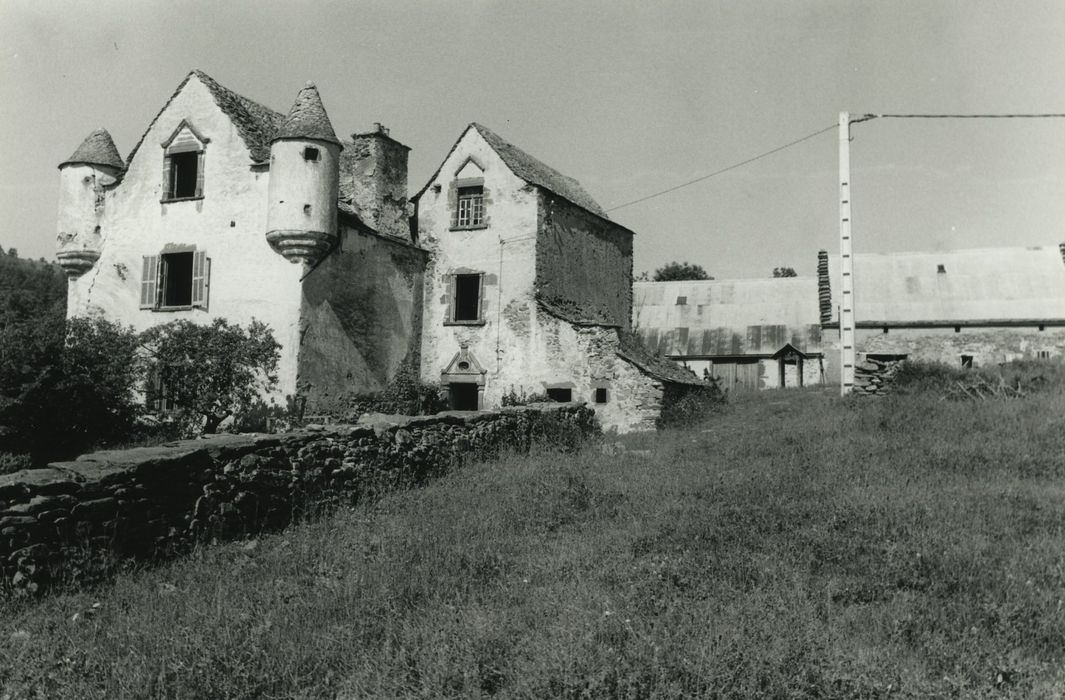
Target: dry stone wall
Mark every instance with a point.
(73, 520)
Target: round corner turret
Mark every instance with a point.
(304, 182)
(83, 177)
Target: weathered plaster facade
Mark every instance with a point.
(556, 281)
(342, 300)
(509, 278)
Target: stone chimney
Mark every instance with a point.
(377, 166)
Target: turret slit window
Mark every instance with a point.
(466, 298)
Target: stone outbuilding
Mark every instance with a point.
(747, 333)
(965, 308)
(528, 290)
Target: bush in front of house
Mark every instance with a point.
(405, 395)
(208, 373)
(65, 385)
(1007, 380)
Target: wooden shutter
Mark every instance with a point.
(166, 178)
(199, 174)
(451, 297)
(150, 282)
(201, 271)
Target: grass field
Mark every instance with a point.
(796, 546)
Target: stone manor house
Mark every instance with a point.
(499, 275)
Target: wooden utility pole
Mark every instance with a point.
(846, 260)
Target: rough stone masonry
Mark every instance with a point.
(68, 521)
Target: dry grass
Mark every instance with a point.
(798, 546)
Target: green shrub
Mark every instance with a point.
(513, 398)
(211, 372)
(688, 404)
(66, 385)
(406, 395)
(10, 462)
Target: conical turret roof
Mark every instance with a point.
(97, 149)
(307, 119)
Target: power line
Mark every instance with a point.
(727, 168)
(961, 116)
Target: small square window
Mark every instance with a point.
(941, 269)
(1043, 354)
(310, 153)
(682, 301)
(561, 395)
(967, 361)
(470, 206)
(600, 395)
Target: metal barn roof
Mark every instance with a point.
(976, 285)
(727, 317)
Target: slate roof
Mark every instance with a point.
(538, 173)
(307, 119)
(754, 317)
(981, 284)
(632, 350)
(255, 123)
(527, 168)
(98, 148)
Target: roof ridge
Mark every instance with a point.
(526, 166)
(255, 122)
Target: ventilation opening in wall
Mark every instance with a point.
(600, 395)
(462, 396)
(561, 395)
(310, 153)
(1043, 354)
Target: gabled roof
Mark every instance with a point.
(754, 317)
(975, 285)
(255, 123)
(307, 119)
(528, 168)
(98, 148)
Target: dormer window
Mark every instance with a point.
(183, 161)
(184, 173)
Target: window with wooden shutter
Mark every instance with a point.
(150, 282)
(201, 273)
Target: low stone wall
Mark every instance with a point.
(72, 520)
(874, 377)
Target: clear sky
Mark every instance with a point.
(627, 97)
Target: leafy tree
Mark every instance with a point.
(66, 385)
(211, 372)
(784, 272)
(642, 277)
(676, 271)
